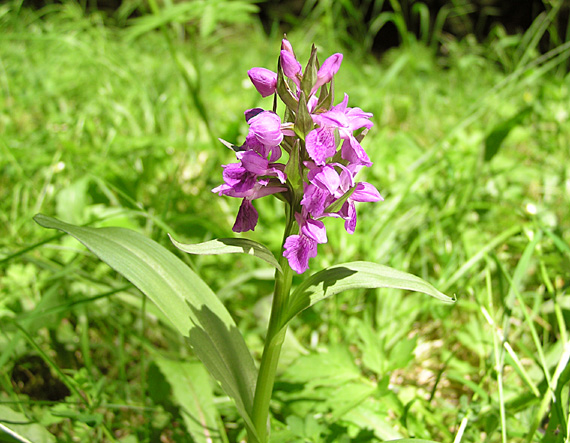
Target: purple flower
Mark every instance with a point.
(364, 192)
(326, 186)
(320, 144)
(347, 120)
(264, 80)
(327, 71)
(266, 126)
(260, 166)
(246, 219)
(299, 248)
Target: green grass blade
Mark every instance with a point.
(499, 239)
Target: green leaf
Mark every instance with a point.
(500, 132)
(337, 205)
(310, 73)
(303, 121)
(229, 246)
(410, 440)
(192, 392)
(353, 275)
(292, 169)
(184, 299)
(16, 427)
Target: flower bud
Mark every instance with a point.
(327, 71)
(286, 46)
(291, 67)
(264, 80)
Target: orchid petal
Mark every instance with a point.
(298, 250)
(246, 219)
(365, 192)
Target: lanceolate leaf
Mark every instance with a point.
(182, 296)
(229, 246)
(16, 427)
(192, 391)
(353, 275)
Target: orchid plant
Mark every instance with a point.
(309, 159)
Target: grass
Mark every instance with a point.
(470, 152)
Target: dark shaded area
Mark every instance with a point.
(461, 18)
(476, 17)
(32, 376)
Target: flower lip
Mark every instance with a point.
(246, 219)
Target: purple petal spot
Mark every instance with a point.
(298, 250)
(246, 219)
(320, 144)
(264, 80)
(267, 128)
(365, 192)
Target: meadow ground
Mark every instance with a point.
(471, 149)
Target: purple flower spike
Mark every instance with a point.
(327, 71)
(322, 185)
(320, 145)
(264, 80)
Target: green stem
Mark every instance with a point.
(273, 344)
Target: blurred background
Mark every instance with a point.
(109, 116)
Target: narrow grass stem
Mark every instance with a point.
(273, 343)
(497, 356)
